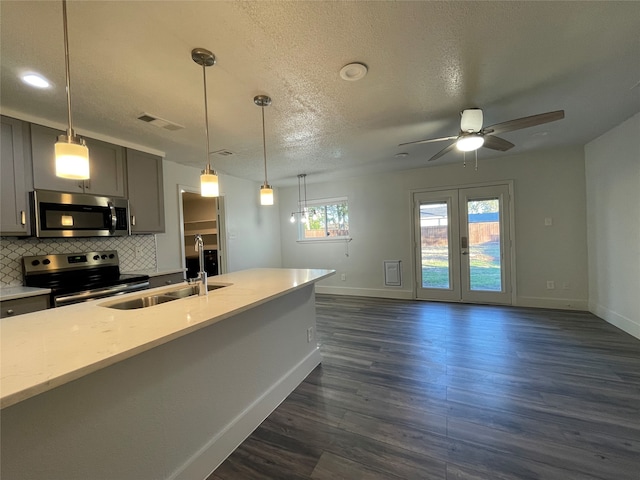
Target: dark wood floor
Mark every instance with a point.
(420, 390)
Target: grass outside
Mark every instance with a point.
(484, 264)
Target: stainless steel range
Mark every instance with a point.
(79, 277)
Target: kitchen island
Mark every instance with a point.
(167, 391)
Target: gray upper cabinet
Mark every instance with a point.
(106, 163)
(16, 177)
(145, 191)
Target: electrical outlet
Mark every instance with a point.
(343, 277)
(309, 334)
(551, 285)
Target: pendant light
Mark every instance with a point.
(302, 205)
(209, 178)
(71, 152)
(266, 192)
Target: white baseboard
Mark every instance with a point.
(367, 292)
(216, 450)
(623, 323)
(555, 303)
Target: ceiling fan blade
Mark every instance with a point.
(525, 122)
(441, 139)
(442, 152)
(497, 143)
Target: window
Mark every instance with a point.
(325, 219)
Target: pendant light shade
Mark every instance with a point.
(266, 195)
(266, 192)
(209, 184)
(72, 158)
(209, 179)
(71, 152)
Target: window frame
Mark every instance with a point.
(322, 202)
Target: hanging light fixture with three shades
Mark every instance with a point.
(209, 179)
(71, 152)
(266, 192)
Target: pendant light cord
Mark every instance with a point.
(264, 147)
(67, 70)
(206, 114)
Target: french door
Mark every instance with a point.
(463, 245)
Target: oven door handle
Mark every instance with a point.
(112, 216)
(63, 300)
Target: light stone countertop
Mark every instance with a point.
(42, 350)
(18, 291)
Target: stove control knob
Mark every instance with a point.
(96, 257)
(111, 255)
(104, 257)
(35, 263)
(46, 261)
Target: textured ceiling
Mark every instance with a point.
(427, 61)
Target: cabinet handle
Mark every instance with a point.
(87, 184)
(133, 220)
(168, 282)
(23, 217)
(10, 311)
(80, 185)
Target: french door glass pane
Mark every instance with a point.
(485, 270)
(434, 245)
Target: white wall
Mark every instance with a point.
(546, 184)
(253, 231)
(613, 225)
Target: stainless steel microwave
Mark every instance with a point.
(58, 214)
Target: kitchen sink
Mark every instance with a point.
(151, 300)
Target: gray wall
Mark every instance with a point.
(613, 225)
(546, 184)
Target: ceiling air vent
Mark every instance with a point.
(160, 122)
(223, 153)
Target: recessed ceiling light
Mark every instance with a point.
(353, 72)
(36, 80)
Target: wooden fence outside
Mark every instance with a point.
(481, 232)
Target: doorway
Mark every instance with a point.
(204, 216)
(463, 244)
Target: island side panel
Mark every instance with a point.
(175, 411)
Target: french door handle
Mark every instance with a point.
(464, 252)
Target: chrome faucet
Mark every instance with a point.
(201, 279)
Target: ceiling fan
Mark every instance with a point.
(472, 135)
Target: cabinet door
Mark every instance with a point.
(14, 167)
(21, 306)
(145, 191)
(106, 165)
(43, 140)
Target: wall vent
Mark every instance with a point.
(392, 273)
(160, 122)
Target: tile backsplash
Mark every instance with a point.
(12, 250)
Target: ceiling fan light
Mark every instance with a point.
(72, 158)
(266, 195)
(469, 143)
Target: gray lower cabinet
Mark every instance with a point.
(166, 279)
(16, 177)
(145, 191)
(106, 163)
(18, 306)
